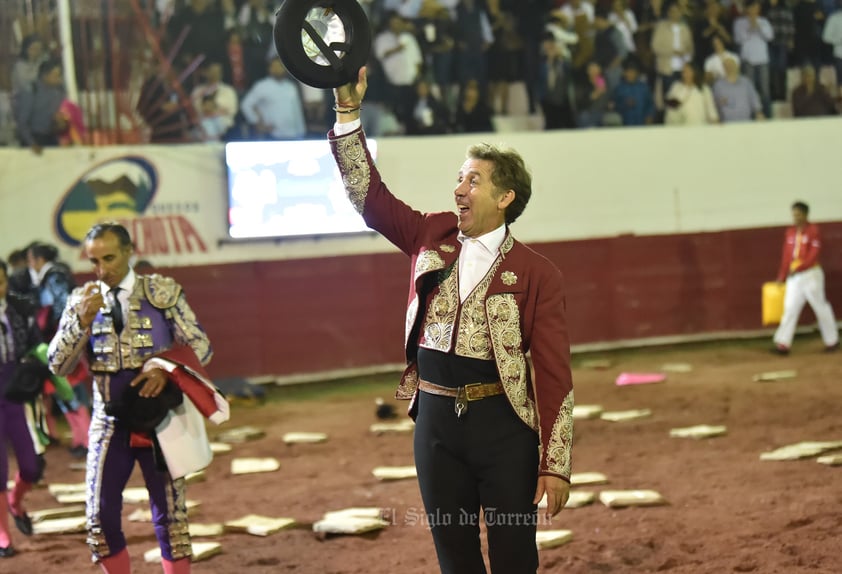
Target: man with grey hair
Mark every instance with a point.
(488, 354)
(735, 96)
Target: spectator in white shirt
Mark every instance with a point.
(273, 105)
(690, 101)
(224, 96)
(624, 20)
(752, 33)
(400, 56)
(715, 63)
(832, 35)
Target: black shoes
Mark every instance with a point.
(24, 523)
(7, 552)
(78, 451)
(832, 348)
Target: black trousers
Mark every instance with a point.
(486, 459)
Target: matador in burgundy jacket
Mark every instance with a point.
(515, 316)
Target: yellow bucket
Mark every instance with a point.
(773, 302)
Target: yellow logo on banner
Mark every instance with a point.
(118, 189)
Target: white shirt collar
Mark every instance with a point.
(127, 284)
(491, 240)
(39, 276)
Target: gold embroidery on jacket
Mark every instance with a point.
(559, 447)
(411, 316)
(473, 338)
(504, 326)
(441, 315)
(162, 292)
(428, 261)
(409, 383)
(353, 165)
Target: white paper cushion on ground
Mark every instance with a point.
(830, 460)
(57, 488)
(582, 412)
(220, 447)
(621, 498)
(394, 472)
(775, 376)
(72, 498)
(259, 525)
(618, 416)
(587, 478)
(206, 530)
(201, 551)
(145, 514)
(577, 499)
(405, 426)
(304, 437)
(78, 465)
(334, 523)
(698, 431)
(356, 512)
(240, 434)
(67, 525)
(135, 495)
(254, 465)
(800, 450)
(597, 364)
(53, 513)
(545, 539)
(677, 367)
(195, 477)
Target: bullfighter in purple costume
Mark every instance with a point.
(17, 336)
(120, 321)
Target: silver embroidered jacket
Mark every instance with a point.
(158, 317)
(515, 314)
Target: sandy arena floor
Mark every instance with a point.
(728, 511)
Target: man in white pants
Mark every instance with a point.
(804, 282)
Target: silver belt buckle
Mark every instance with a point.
(461, 403)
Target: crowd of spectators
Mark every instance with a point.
(450, 66)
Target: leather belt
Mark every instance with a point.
(463, 395)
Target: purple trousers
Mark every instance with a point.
(110, 464)
(14, 431)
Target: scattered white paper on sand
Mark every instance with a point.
(404, 426)
(545, 539)
(698, 431)
(677, 367)
(577, 499)
(53, 513)
(581, 412)
(597, 364)
(775, 376)
(805, 449)
(258, 525)
(254, 465)
(66, 525)
(206, 530)
(347, 524)
(623, 498)
(201, 551)
(587, 478)
(394, 472)
(630, 415)
(220, 447)
(304, 437)
(240, 435)
(830, 459)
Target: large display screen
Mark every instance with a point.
(287, 189)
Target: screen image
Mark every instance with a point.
(287, 189)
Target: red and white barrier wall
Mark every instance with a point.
(660, 232)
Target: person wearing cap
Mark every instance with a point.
(126, 324)
(488, 354)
